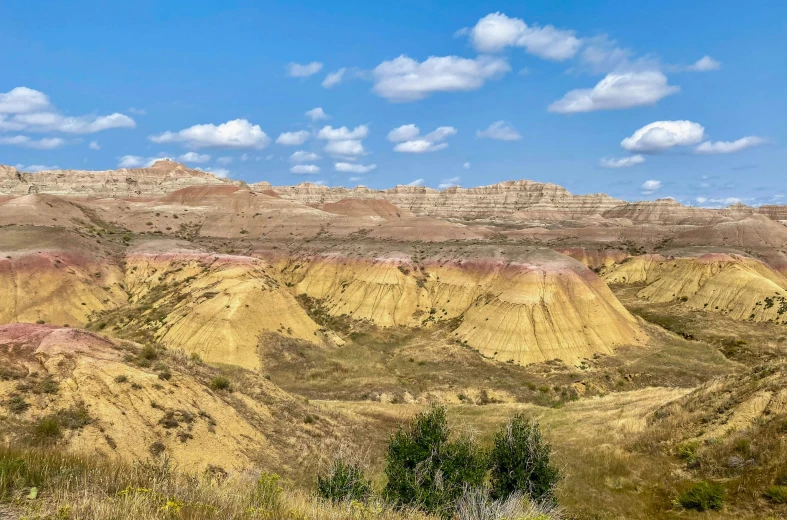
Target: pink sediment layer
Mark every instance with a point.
(35, 337)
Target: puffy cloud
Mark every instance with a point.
(662, 135)
(354, 168)
(617, 90)
(601, 55)
(348, 148)
(238, 133)
(94, 145)
(22, 100)
(305, 169)
(403, 133)
(650, 186)
(228, 160)
(316, 114)
(411, 142)
(330, 133)
(718, 147)
(24, 141)
(624, 162)
(466, 166)
(130, 161)
(218, 172)
(449, 183)
(194, 157)
(416, 182)
(405, 79)
(500, 130)
(704, 64)
(334, 78)
(304, 156)
(296, 70)
(496, 31)
(293, 138)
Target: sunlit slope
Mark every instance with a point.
(742, 287)
(539, 307)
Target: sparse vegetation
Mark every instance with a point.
(344, 481)
(703, 496)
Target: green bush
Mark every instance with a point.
(17, 404)
(220, 383)
(429, 470)
(520, 462)
(344, 481)
(703, 496)
(267, 492)
(776, 494)
(46, 429)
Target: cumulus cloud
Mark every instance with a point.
(496, 31)
(624, 162)
(305, 169)
(349, 148)
(616, 91)
(449, 183)
(304, 156)
(316, 114)
(330, 133)
(410, 141)
(500, 130)
(94, 145)
(405, 79)
(238, 133)
(704, 64)
(719, 147)
(416, 182)
(293, 138)
(662, 135)
(130, 161)
(22, 100)
(194, 157)
(600, 55)
(218, 172)
(466, 166)
(354, 168)
(650, 186)
(334, 78)
(24, 141)
(296, 70)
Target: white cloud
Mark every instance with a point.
(349, 148)
(662, 135)
(194, 157)
(293, 138)
(624, 162)
(138, 111)
(94, 145)
(601, 55)
(616, 91)
(228, 160)
(718, 147)
(404, 79)
(403, 133)
(354, 168)
(316, 114)
(343, 133)
(416, 182)
(131, 161)
(701, 200)
(304, 156)
(22, 100)
(650, 186)
(704, 64)
(238, 133)
(449, 183)
(34, 168)
(466, 166)
(222, 173)
(500, 130)
(496, 31)
(24, 141)
(334, 78)
(296, 70)
(306, 169)
(355, 179)
(413, 143)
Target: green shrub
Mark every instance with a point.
(344, 481)
(703, 496)
(267, 492)
(220, 383)
(776, 494)
(520, 462)
(688, 451)
(17, 404)
(427, 469)
(46, 429)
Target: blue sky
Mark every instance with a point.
(637, 99)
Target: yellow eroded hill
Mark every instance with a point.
(542, 307)
(742, 287)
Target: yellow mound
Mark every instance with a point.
(544, 307)
(215, 305)
(743, 288)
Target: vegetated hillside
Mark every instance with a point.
(84, 393)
